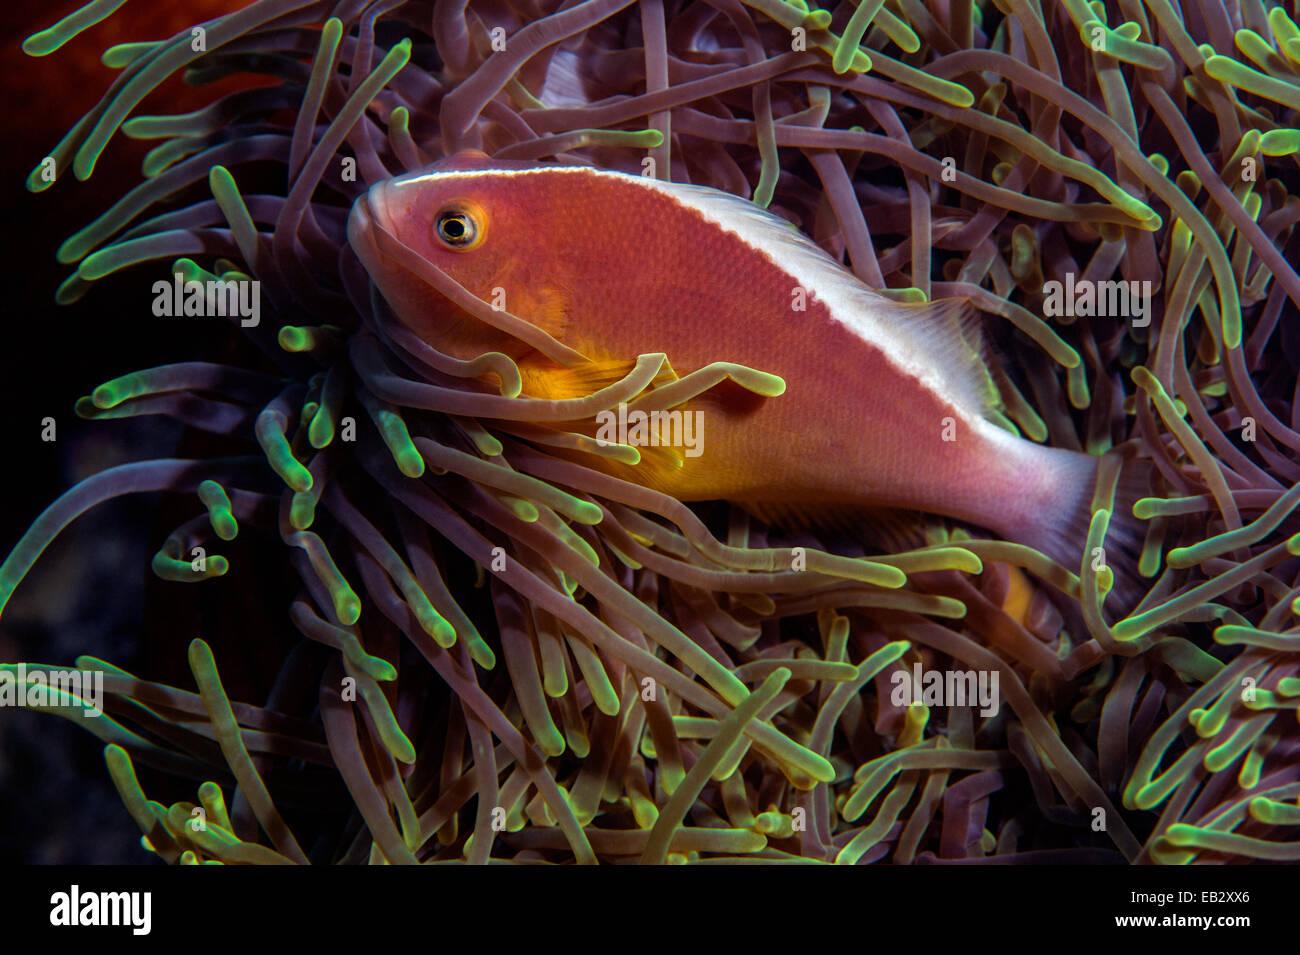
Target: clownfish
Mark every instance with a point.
(888, 407)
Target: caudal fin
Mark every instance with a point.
(1062, 532)
(1126, 535)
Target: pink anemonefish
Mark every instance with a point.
(887, 406)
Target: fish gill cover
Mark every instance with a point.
(502, 650)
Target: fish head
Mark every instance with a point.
(499, 235)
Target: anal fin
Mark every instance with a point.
(886, 530)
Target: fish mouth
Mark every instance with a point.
(373, 236)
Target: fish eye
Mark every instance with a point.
(458, 228)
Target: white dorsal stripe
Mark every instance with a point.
(909, 347)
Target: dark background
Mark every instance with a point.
(87, 592)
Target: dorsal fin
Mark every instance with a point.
(938, 342)
(950, 332)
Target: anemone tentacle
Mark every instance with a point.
(518, 654)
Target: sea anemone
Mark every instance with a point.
(509, 653)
